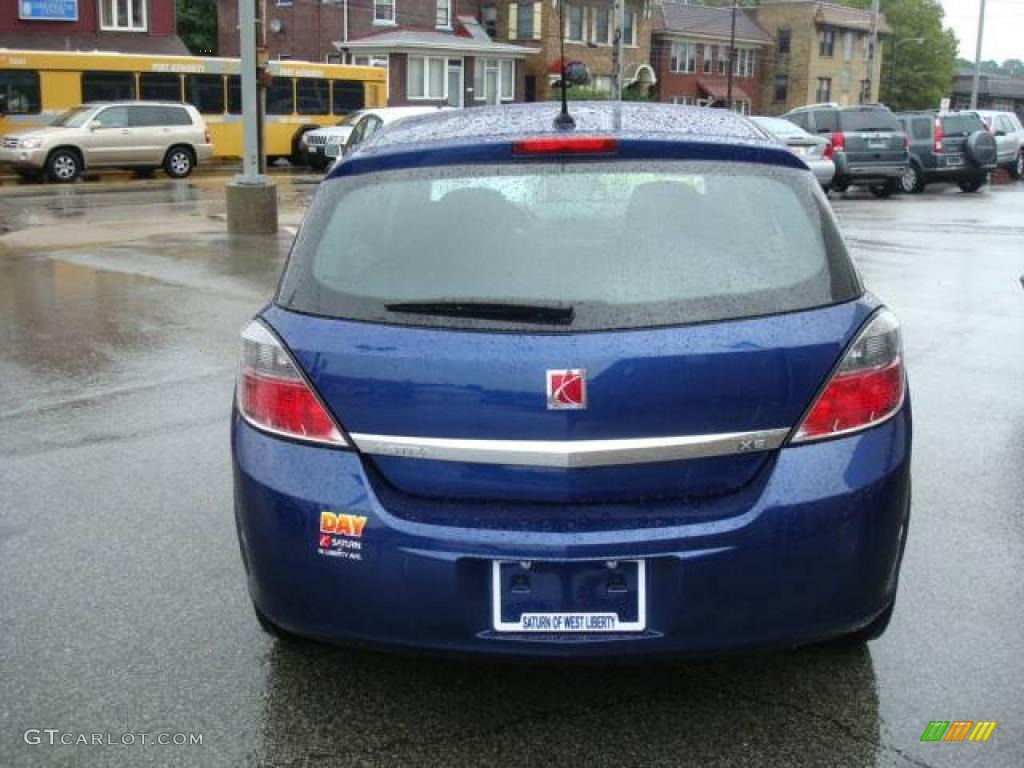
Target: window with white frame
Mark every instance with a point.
(709, 60)
(683, 57)
(742, 106)
(123, 15)
(686, 101)
(574, 23)
(743, 63)
(444, 14)
(494, 80)
(629, 30)
(383, 11)
(602, 34)
(723, 60)
(427, 78)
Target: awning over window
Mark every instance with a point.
(718, 89)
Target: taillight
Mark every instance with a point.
(938, 135)
(906, 141)
(273, 395)
(206, 137)
(838, 141)
(867, 387)
(827, 151)
(569, 145)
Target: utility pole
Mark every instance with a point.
(872, 49)
(977, 57)
(251, 198)
(732, 58)
(620, 28)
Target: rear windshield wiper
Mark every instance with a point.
(549, 314)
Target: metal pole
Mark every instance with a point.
(977, 57)
(873, 47)
(732, 58)
(250, 113)
(620, 29)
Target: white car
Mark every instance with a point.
(1009, 135)
(815, 151)
(315, 143)
(370, 121)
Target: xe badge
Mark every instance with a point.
(567, 390)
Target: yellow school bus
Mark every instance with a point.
(37, 86)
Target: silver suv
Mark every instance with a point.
(1009, 134)
(141, 135)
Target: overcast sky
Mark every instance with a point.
(1004, 27)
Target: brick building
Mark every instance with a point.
(435, 51)
(690, 54)
(821, 53)
(589, 31)
(128, 26)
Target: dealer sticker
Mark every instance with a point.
(340, 535)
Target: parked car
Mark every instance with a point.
(1008, 131)
(525, 390)
(948, 147)
(869, 147)
(815, 151)
(315, 143)
(141, 135)
(372, 120)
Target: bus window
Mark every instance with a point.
(311, 94)
(280, 98)
(346, 96)
(108, 86)
(160, 86)
(206, 93)
(19, 92)
(234, 94)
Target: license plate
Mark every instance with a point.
(799, 150)
(877, 143)
(548, 597)
(954, 160)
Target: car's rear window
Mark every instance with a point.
(624, 244)
(961, 125)
(868, 120)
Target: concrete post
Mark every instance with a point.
(251, 198)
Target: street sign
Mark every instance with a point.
(48, 10)
(944, 105)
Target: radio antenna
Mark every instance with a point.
(564, 120)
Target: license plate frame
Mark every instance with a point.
(567, 620)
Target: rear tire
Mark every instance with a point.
(912, 180)
(973, 184)
(1017, 169)
(63, 166)
(179, 162)
(841, 185)
(319, 164)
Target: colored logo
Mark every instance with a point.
(342, 524)
(567, 389)
(958, 730)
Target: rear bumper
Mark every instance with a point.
(865, 173)
(204, 153)
(823, 170)
(815, 554)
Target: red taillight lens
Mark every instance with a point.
(838, 141)
(568, 145)
(827, 151)
(273, 395)
(938, 135)
(866, 389)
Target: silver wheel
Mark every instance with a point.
(179, 163)
(63, 166)
(908, 181)
(1020, 164)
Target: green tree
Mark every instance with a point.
(197, 25)
(923, 72)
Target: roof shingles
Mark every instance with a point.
(703, 21)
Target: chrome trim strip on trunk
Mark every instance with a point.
(571, 454)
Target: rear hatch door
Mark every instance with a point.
(872, 137)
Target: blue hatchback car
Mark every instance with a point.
(601, 391)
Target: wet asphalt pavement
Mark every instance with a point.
(122, 600)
